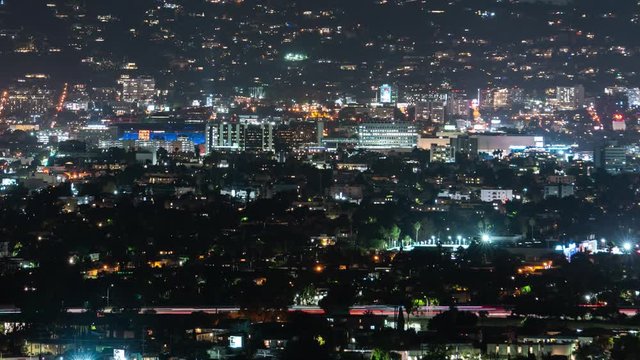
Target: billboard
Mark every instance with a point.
(385, 93)
(118, 354)
(235, 342)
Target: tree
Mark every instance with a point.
(427, 226)
(162, 154)
(436, 352)
(306, 296)
(338, 300)
(312, 339)
(391, 235)
(452, 320)
(406, 241)
(394, 233)
(416, 227)
(596, 349)
(401, 322)
(379, 354)
(626, 348)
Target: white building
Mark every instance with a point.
(491, 195)
(239, 136)
(387, 135)
(182, 144)
(456, 195)
(46, 136)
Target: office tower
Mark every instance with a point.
(570, 97)
(239, 136)
(138, 89)
(611, 158)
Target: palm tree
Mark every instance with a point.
(394, 232)
(416, 226)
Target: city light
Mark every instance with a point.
(271, 174)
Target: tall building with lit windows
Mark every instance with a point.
(239, 136)
(570, 97)
(137, 89)
(611, 158)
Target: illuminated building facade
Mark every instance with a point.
(139, 89)
(388, 94)
(239, 136)
(442, 154)
(570, 97)
(611, 158)
(491, 195)
(387, 135)
(299, 133)
(28, 102)
(433, 110)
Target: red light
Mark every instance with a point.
(618, 117)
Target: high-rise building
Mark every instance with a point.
(239, 136)
(501, 98)
(570, 97)
(94, 133)
(299, 133)
(458, 107)
(442, 153)
(611, 158)
(138, 89)
(433, 110)
(387, 135)
(465, 145)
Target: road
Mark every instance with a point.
(421, 312)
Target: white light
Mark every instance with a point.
(627, 246)
(485, 238)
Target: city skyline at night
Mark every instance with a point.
(290, 179)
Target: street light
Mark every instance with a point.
(485, 238)
(626, 246)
